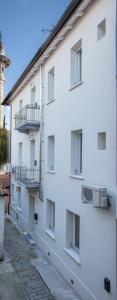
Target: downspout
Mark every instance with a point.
(116, 136)
(41, 132)
(10, 159)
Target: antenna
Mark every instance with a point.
(44, 30)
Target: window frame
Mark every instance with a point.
(76, 64)
(76, 152)
(51, 84)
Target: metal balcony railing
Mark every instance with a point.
(28, 118)
(28, 177)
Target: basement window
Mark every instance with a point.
(101, 30)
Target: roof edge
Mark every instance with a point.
(63, 19)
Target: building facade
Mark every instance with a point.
(63, 153)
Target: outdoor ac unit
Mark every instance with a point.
(94, 195)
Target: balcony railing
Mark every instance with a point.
(27, 177)
(28, 118)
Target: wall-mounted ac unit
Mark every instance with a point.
(96, 196)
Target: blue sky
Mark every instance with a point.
(21, 23)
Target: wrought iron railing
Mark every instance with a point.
(27, 176)
(27, 115)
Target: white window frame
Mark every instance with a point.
(19, 198)
(50, 218)
(76, 152)
(71, 232)
(101, 30)
(20, 146)
(51, 150)
(51, 79)
(76, 63)
(33, 95)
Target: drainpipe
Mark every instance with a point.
(116, 139)
(41, 148)
(10, 158)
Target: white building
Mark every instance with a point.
(72, 142)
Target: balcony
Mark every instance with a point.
(28, 118)
(27, 177)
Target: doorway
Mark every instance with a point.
(31, 213)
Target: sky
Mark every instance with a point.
(21, 23)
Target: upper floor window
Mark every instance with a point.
(20, 154)
(33, 95)
(20, 104)
(19, 197)
(51, 85)
(101, 30)
(76, 63)
(51, 153)
(76, 152)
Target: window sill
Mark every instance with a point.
(75, 85)
(50, 101)
(51, 172)
(79, 177)
(19, 209)
(73, 254)
(50, 233)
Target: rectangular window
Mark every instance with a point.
(51, 153)
(76, 63)
(20, 154)
(12, 193)
(73, 231)
(33, 95)
(51, 215)
(101, 30)
(20, 104)
(51, 85)
(76, 152)
(101, 140)
(19, 196)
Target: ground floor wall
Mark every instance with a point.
(97, 259)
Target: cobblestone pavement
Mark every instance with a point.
(20, 253)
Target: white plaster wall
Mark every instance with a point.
(17, 137)
(92, 108)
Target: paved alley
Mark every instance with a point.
(22, 281)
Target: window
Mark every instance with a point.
(101, 140)
(12, 193)
(20, 154)
(76, 63)
(50, 215)
(76, 152)
(33, 95)
(51, 153)
(101, 30)
(20, 104)
(19, 196)
(51, 85)
(73, 231)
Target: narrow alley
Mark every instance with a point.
(20, 280)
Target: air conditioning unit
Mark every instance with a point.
(96, 196)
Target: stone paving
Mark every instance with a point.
(25, 280)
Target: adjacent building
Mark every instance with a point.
(63, 148)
